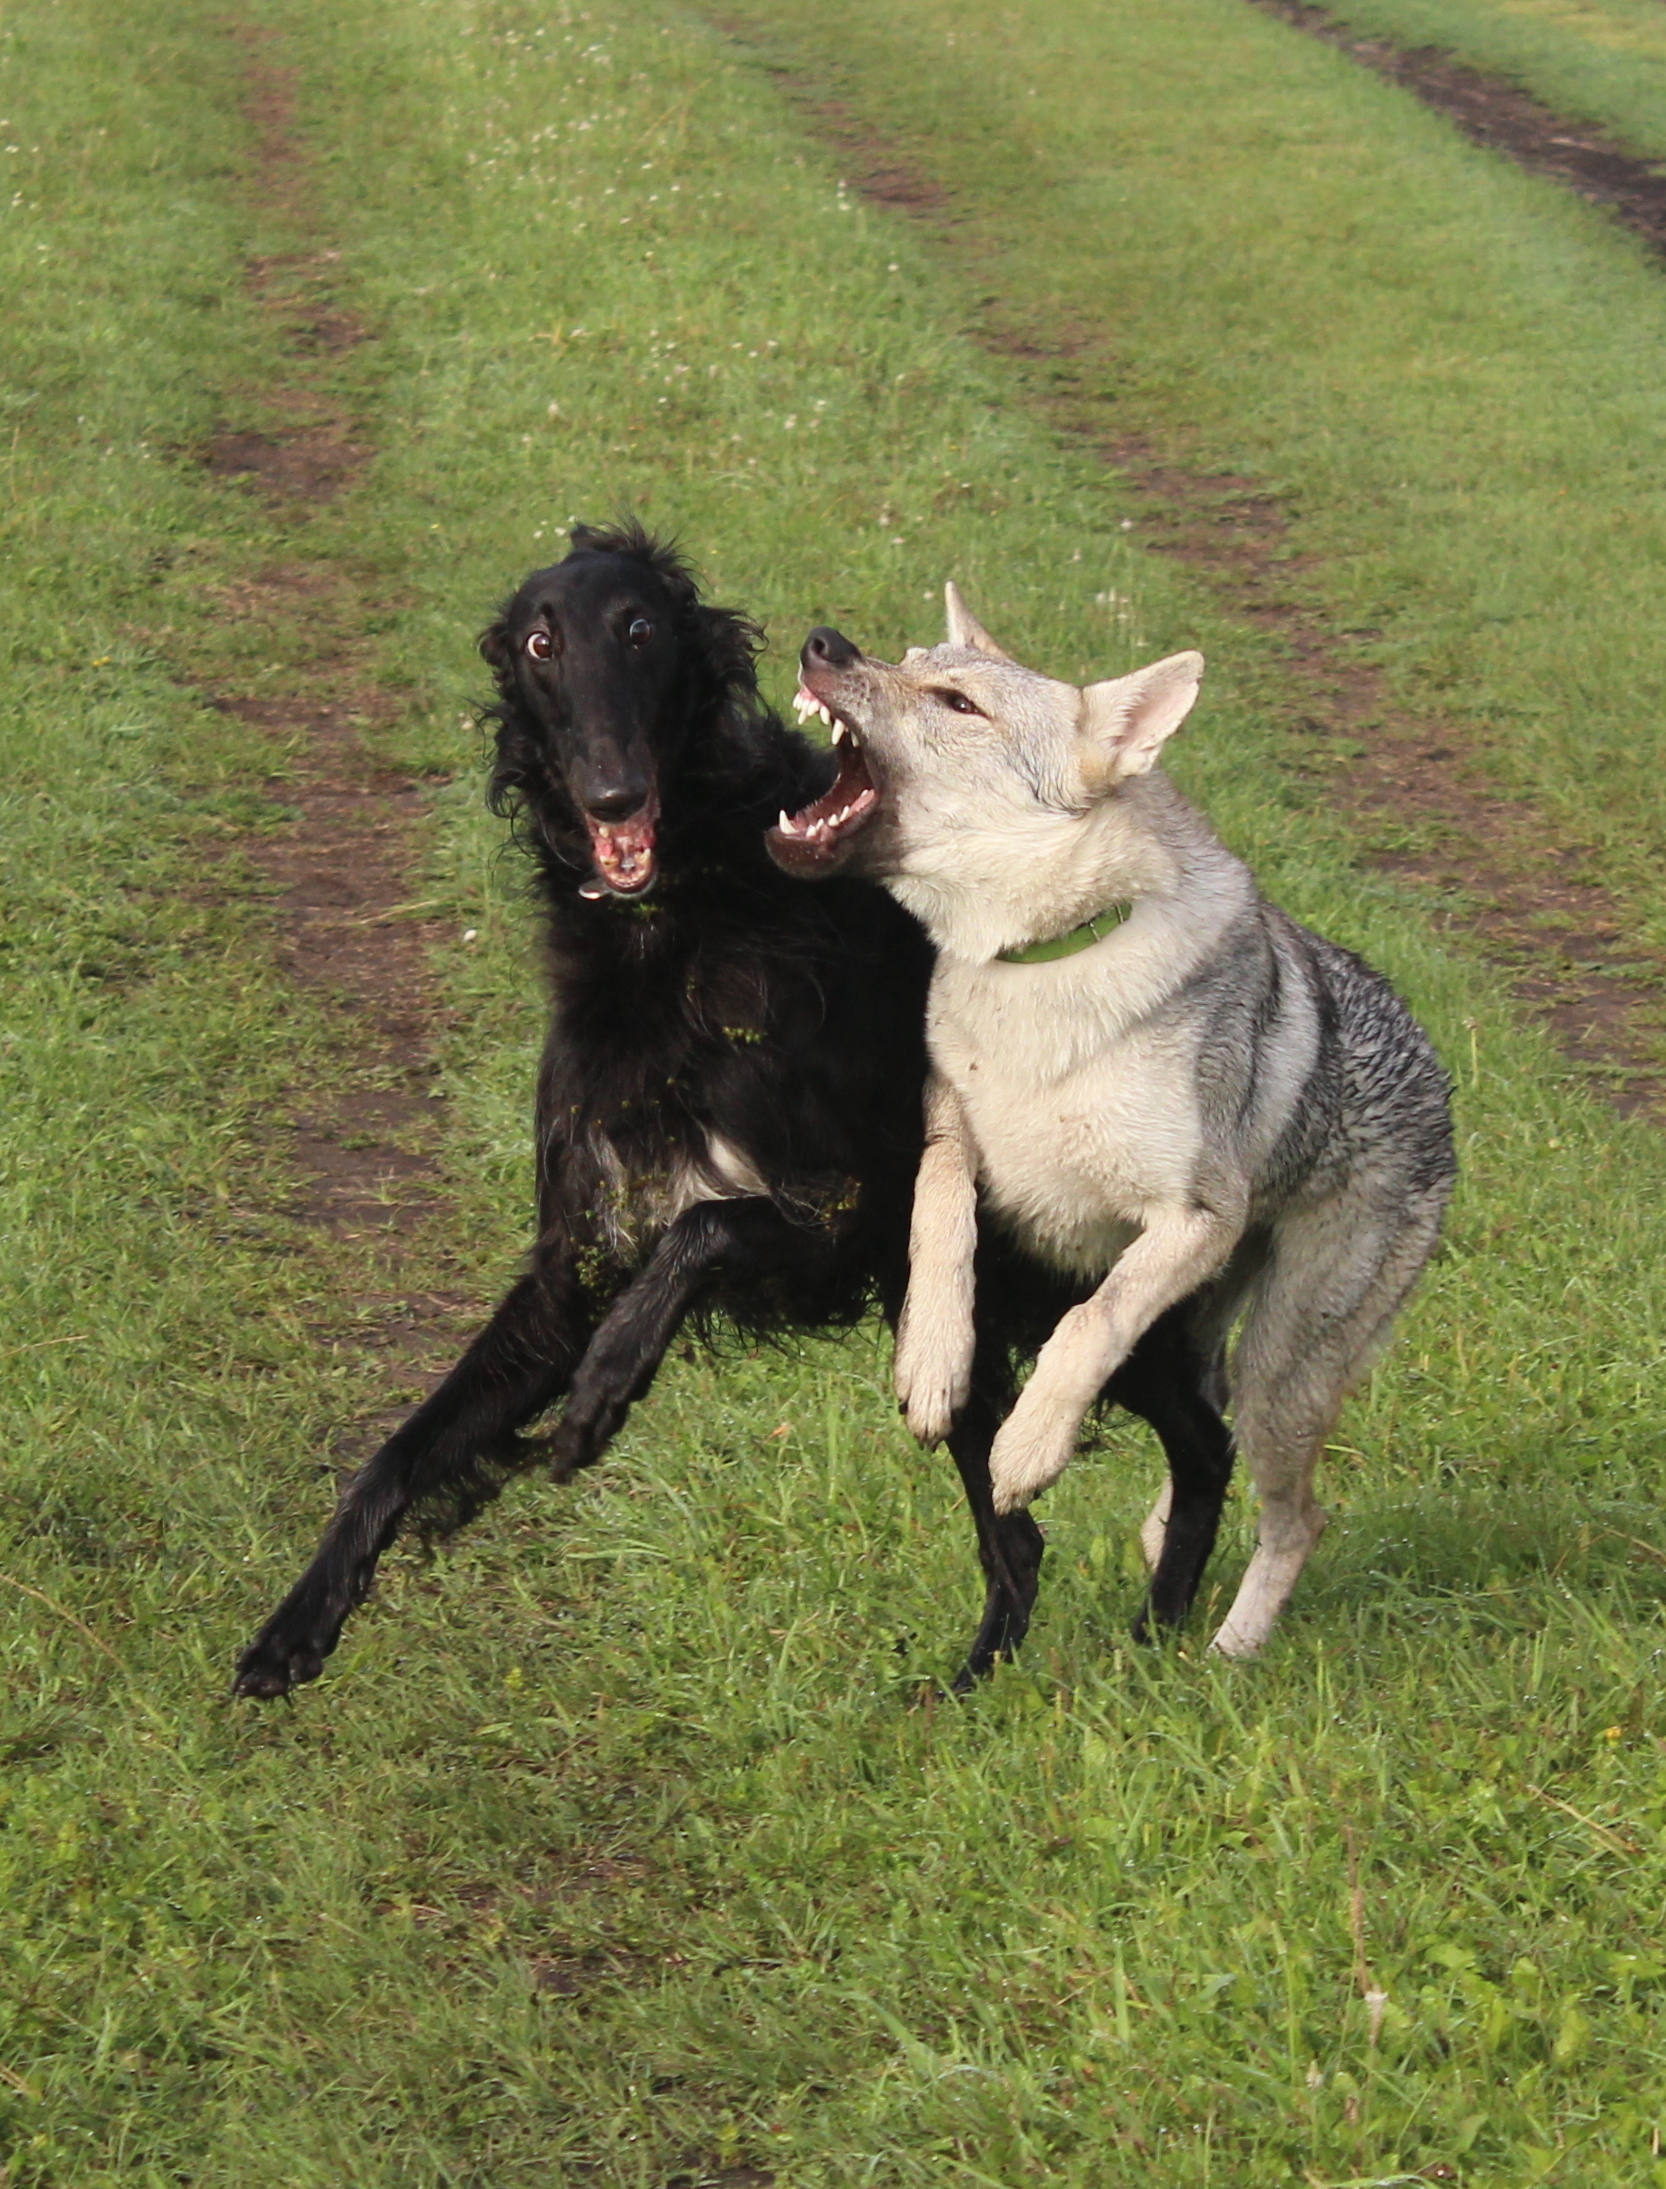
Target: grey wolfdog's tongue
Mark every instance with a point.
(624, 852)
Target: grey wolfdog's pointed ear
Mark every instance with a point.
(964, 627)
(1127, 720)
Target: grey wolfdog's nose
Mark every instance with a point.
(828, 649)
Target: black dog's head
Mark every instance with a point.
(607, 663)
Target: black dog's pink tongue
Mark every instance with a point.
(624, 851)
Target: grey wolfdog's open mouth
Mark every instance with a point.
(623, 852)
(813, 840)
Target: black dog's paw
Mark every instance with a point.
(275, 1662)
(571, 1448)
(584, 1433)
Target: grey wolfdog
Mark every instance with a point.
(1159, 1079)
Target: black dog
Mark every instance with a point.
(728, 1115)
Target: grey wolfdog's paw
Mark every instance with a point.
(933, 1375)
(1035, 1446)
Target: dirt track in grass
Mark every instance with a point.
(1503, 119)
(344, 876)
(1500, 873)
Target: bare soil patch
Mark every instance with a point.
(1505, 119)
(1501, 874)
(308, 464)
(344, 876)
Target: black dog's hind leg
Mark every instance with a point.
(1170, 1382)
(740, 1238)
(1010, 1545)
(454, 1450)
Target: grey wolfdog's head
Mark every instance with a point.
(968, 781)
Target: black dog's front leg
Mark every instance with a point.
(447, 1452)
(744, 1238)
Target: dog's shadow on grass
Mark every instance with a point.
(1429, 1561)
(1431, 1557)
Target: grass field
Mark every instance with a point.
(609, 1850)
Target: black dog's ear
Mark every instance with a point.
(731, 644)
(498, 652)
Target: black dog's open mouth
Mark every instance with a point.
(623, 852)
(814, 839)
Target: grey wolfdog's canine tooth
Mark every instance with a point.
(1160, 1081)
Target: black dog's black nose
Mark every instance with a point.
(826, 648)
(614, 801)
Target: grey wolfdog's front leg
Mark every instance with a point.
(1178, 1250)
(935, 1337)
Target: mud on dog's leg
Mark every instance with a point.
(747, 1237)
(1177, 1251)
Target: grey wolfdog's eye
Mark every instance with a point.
(958, 701)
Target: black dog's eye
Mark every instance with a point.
(640, 632)
(541, 645)
(959, 702)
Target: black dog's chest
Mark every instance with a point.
(683, 1101)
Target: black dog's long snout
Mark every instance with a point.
(610, 786)
(826, 648)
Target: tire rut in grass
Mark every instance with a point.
(1502, 875)
(1503, 118)
(343, 878)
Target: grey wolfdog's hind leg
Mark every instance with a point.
(1324, 1308)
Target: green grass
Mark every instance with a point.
(609, 1850)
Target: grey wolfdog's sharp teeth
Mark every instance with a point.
(803, 706)
(825, 712)
(841, 731)
(786, 824)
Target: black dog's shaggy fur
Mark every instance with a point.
(728, 1115)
